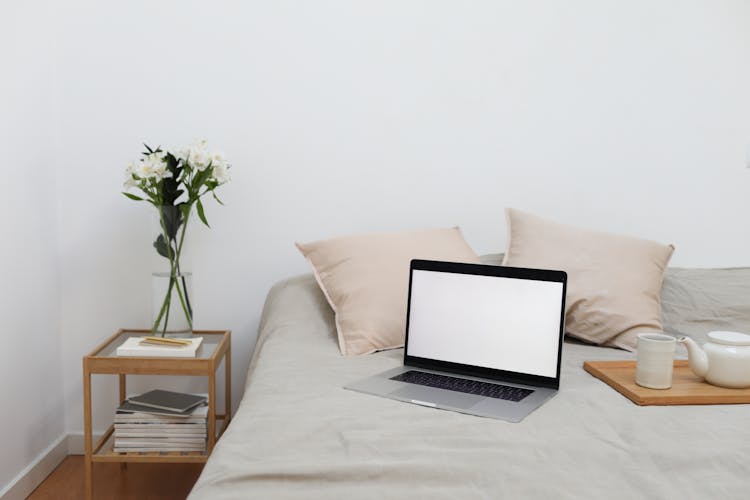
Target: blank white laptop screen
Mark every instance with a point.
(495, 322)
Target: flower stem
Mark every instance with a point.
(164, 309)
(188, 315)
(168, 302)
(186, 301)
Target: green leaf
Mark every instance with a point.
(185, 209)
(216, 198)
(201, 214)
(172, 219)
(199, 179)
(161, 247)
(132, 196)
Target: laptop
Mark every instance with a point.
(483, 340)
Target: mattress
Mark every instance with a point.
(299, 434)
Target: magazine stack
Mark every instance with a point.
(161, 421)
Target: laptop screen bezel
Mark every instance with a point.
(501, 272)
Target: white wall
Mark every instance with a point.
(345, 117)
(33, 415)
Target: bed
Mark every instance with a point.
(298, 434)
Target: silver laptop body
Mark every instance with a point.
(483, 340)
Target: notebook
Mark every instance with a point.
(167, 400)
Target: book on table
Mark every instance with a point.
(162, 429)
(197, 444)
(131, 408)
(135, 346)
(133, 433)
(168, 400)
(154, 449)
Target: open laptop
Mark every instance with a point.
(484, 340)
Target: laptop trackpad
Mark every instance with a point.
(439, 397)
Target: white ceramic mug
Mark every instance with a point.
(655, 360)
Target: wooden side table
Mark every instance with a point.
(216, 346)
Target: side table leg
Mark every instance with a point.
(88, 464)
(211, 411)
(227, 386)
(123, 395)
(122, 388)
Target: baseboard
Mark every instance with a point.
(33, 474)
(77, 443)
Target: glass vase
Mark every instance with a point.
(171, 287)
(172, 304)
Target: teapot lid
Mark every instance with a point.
(729, 338)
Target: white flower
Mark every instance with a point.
(182, 154)
(159, 167)
(145, 169)
(217, 158)
(161, 171)
(220, 167)
(200, 159)
(221, 172)
(129, 171)
(141, 169)
(131, 168)
(152, 166)
(196, 155)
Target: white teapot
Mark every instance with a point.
(724, 359)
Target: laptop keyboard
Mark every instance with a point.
(467, 386)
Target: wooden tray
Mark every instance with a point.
(687, 389)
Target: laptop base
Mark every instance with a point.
(433, 397)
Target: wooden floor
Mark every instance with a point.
(136, 481)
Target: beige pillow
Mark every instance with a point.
(366, 279)
(614, 282)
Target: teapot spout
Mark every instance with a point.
(696, 356)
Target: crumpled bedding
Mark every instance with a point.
(299, 434)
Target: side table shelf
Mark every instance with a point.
(215, 348)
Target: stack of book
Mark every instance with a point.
(161, 421)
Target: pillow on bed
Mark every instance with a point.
(697, 301)
(365, 279)
(614, 281)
